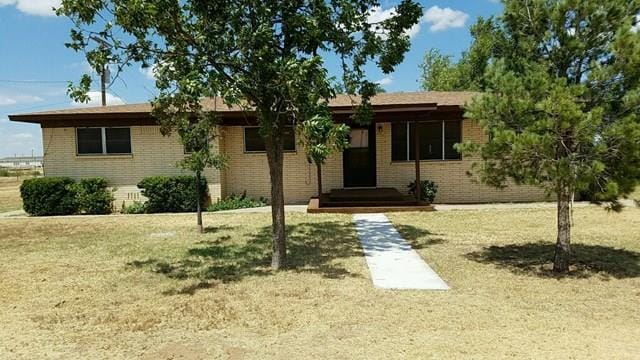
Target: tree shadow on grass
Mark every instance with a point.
(215, 229)
(312, 248)
(419, 238)
(537, 259)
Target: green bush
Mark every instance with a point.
(172, 193)
(428, 190)
(136, 208)
(4, 173)
(93, 197)
(237, 202)
(49, 196)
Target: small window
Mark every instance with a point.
(89, 141)
(118, 140)
(359, 138)
(103, 141)
(253, 142)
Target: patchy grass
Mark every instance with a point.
(10, 194)
(152, 287)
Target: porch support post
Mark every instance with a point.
(416, 149)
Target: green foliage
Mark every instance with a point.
(237, 202)
(262, 56)
(4, 173)
(321, 137)
(93, 197)
(564, 91)
(440, 73)
(136, 207)
(63, 196)
(172, 193)
(428, 190)
(49, 196)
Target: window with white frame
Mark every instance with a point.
(103, 141)
(436, 140)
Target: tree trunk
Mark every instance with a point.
(562, 256)
(319, 168)
(274, 146)
(198, 206)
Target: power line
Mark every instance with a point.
(39, 106)
(33, 81)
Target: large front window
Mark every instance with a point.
(102, 141)
(436, 140)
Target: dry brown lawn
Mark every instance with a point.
(10, 194)
(151, 287)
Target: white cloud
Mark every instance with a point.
(21, 136)
(33, 7)
(439, 19)
(378, 14)
(7, 100)
(96, 100)
(149, 72)
(82, 66)
(444, 18)
(387, 80)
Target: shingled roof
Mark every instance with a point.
(409, 99)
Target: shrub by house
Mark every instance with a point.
(172, 193)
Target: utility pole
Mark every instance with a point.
(104, 73)
(103, 84)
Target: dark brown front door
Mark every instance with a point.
(359, 160)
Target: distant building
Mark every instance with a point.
(21, 162)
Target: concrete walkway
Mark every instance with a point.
(13, 213)
(265, 209)
(392, 262)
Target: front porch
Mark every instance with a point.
(369, 200)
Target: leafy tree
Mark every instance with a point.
(562, 107)
(262, 55)
(320, 138)
(196, 137)
(441, 73)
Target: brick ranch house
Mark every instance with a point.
(123, 144)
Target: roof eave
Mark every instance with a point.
(337, 110)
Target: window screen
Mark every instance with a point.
(399, 142)
(452, 136)
(430, 134)
(432, 140)
(118, 140)
(89, 141)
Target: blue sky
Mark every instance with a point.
(35, 65)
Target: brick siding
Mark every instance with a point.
(154, 154)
